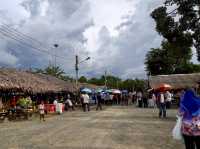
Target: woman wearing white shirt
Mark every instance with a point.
(86, 102)
(162, 105)
(168, 99)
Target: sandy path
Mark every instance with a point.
(113, 128)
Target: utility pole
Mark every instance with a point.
(105, 77)
(76, 68)
(77, 62)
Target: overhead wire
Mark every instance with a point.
(25, 36)
(26, 40)
(22, 45)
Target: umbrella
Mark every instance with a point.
(99, 90)
(108, 91)
(115, 91)
(124, 91)
(150, 89)
(86, 90)
(163, 87)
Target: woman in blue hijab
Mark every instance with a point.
(190, 111)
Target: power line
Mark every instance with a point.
(23, 38)
(24, 45)
(20, 46)
(14, 37)
(21, 41)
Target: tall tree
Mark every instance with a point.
(180, 35)
(187, 13)
(167, 60)
(82, 79)
(183, 20)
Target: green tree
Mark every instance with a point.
(112, 81)
(66, 78)
(128, 84)
(116, 82)
(141, 84)
(82, 79)
(167, 60)
(95, 81)
(175, 52)
(187, 14)
(38, 70)
(155, 62)
(54, 71)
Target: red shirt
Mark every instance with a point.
(13, 102)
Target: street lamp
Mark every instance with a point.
(77, 68)
(55, 46)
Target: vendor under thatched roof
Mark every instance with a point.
(92, 86)
(177, 81)
(24, 81)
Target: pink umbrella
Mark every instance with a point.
(163, 87)
(115, 91)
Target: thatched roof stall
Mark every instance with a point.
(24, 81)
(92, 86)
(177, 81)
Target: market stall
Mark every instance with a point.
(51, 108)
(22, 91)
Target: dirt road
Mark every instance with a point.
(113, 128)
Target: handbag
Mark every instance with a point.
(176, 132)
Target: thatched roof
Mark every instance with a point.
(12, 79)
(92, 86)
(177, 81)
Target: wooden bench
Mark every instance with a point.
(3, 115)
(20, 114)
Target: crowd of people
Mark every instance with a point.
(70, 101)
(161, 100)
(189, 109)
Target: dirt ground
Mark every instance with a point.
(114, 128)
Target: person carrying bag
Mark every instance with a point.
(188, 124)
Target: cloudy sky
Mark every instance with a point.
(116, 34)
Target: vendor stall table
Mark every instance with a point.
(51, 108)
(3, 115)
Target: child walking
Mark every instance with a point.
(41, 110)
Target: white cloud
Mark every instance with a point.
(7, 58)
(51, 22)
(115, 33)
(124, 54)
(110, 12)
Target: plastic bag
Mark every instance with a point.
(176, 133)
